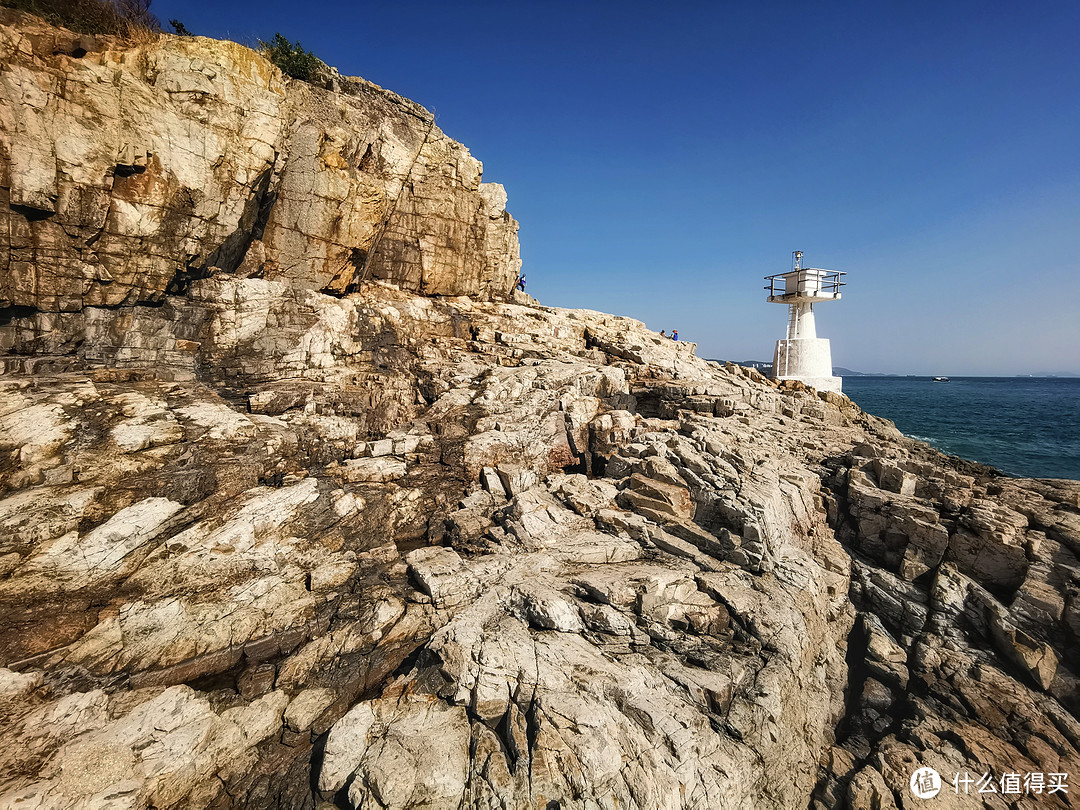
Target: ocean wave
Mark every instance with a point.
(927, 439)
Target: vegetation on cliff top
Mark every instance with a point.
(131, 19)
(292, 58)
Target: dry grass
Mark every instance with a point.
(139, 34)
(130, 19)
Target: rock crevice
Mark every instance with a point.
(339, 520)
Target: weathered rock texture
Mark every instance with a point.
(263, 546)
(126, 172)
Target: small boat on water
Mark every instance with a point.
(940, 379)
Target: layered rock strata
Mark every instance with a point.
(128, 171)
(264, 545)
(561, 560)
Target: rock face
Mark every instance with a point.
(264, 545)
(127, 172)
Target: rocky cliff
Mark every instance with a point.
(283, 530)
(129, 173)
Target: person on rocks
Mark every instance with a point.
(674, 334)
(663, 333)
(521, 282)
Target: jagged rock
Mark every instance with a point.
(584, 496)
(667, 498)
(442, 575)
(373, 470)
(166, 750)
(301, 534)
(989, 545)
(612, 429)
(885, 659)
(492, 481)
(14, 685)
(412, 752)
(894, 479)
(868, 790)
(547, 609)
(514, 479)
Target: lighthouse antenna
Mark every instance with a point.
(797, 260)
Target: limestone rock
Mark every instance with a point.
(338, 521)
(139, 169)
(307, 707)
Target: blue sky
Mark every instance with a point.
(663, 158)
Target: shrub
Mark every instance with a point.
(126, 18)
(180, 28)
(292, 58)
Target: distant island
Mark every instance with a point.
(765, 367)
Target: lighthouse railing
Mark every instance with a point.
(825, 282)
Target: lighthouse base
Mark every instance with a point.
(808, 360)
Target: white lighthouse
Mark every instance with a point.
(802, 355)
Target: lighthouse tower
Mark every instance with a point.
(802, 355)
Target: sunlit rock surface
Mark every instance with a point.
(270, 542)
(128, 172)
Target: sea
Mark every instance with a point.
(1024, 426)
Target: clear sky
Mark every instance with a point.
(663, 158)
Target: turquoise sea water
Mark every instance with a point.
(1023, 426)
